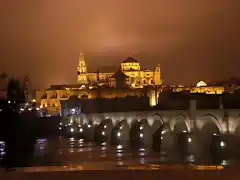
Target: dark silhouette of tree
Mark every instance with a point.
(15, 92)
(15, 133)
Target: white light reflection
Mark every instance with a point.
(222, 144)
(118, 134)
(119, 146)
(224, 163)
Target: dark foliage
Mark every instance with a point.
(19, 141)
(15, 93)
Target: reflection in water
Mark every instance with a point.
(89, 149)
(2, 148)
(75, 151)
(40, 147)
(142, 154)
(104, 149)
(119, 155)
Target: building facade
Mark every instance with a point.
(130, 67)
(128, 80)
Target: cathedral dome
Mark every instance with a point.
(130, 60)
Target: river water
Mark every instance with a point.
(73, 151)
(66, 151)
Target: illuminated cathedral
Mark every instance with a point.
(129, 71)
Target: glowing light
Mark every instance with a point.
(184, 131)
(81, 130)
(103, 133)
(41, 106)
(222, 144)
(224, 163)
(141, 127)
(163, 132)
(105, 126)
(119, 147)
(37, 109)
(9, 102)
(21, 109)
(29, 109)
(33, 100)
(89, 125)
(189, 140)
(60, 128)
(120, 127)
(118, 134)
(141, 135)
(72, 129)
(201, 84)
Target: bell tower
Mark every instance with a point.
(82, 70)
(157, 75)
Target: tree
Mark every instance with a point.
(14, 129)
(15, 92)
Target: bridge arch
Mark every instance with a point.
(237, 126)
(180, 124)
(210, 117)
(120, 134)
(104, 131)
(210, 129)
(156, 117)
(140, 134)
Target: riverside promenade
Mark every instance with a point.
(90, 172)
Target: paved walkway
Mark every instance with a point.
(110, 166)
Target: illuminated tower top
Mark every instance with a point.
(82, 77)
(82, 65)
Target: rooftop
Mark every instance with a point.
(130, 60)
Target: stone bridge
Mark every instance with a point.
(218, 121)
(163, 129)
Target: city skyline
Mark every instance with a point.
(191, 40)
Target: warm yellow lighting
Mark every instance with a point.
(201, 84)
(33, 100)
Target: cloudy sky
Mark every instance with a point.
(192, 40)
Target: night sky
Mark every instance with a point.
(191, 39)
